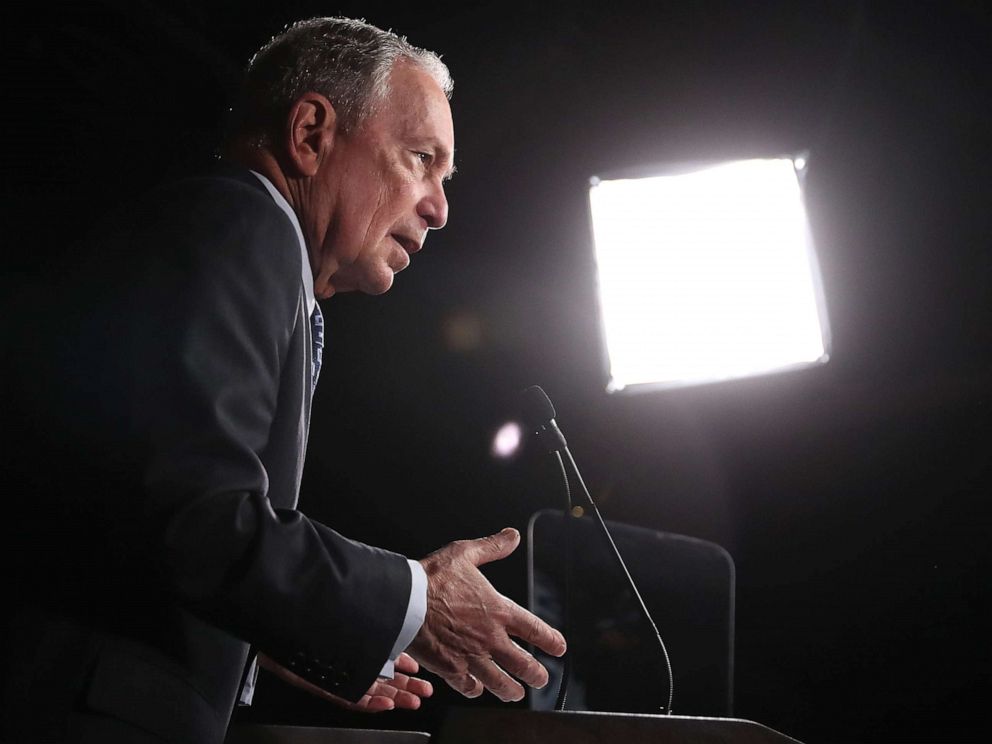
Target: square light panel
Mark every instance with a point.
(707, 274)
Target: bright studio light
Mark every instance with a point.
(707, 275)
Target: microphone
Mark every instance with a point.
(539, 414)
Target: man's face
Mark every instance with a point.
(381, 188)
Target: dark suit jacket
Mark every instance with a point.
(162, 408)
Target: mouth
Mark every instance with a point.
(410, 245)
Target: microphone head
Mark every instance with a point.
(536, 407)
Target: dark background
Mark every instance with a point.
(853, 497)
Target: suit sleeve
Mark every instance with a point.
(221, 293)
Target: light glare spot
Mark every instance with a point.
(506, 443)
(462, 331)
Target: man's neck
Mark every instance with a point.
(262, 161)
(296, 191)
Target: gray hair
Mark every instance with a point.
(346, 60)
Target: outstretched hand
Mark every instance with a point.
(402, 691)
(466, 635)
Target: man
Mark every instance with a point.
(166, 544)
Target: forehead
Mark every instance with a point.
(415, 109)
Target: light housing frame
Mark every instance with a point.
(618, 380)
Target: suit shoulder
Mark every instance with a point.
(224, 196)
(224, 215)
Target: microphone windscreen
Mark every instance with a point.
(536, 407)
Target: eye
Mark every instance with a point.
(425, 158)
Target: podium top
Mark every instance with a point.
(500, 726)
(261, 734)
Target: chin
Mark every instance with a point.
(379, 284)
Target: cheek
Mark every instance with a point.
(399, 196)
(386, 201)
(379, 217)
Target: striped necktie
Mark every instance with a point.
(317, 336)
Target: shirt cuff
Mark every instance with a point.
(416, 611)
(248, 686)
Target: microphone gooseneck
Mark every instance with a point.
(539, 415)
(566, 670)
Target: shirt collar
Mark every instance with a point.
(280, 200)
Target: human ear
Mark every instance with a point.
(310, 127)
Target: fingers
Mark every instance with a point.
(511, 661)
(466, 635)
(402, 692)
(406, 663)
(413, 685)
(388, 699)
(497, 681)
(530, 628)
(522, 665)
(492, 548)
(497, 674)
(466, 684)
(374, 704)
(406, 701)
(483, 674)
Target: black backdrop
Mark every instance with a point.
(852, 497)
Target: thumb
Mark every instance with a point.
(492, 548)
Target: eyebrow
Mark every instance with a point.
(440, 152)
(443, 155)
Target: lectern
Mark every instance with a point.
(516, 726)
(261, 734)
(508, 726)
(687, 584)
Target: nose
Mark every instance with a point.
(433, 207)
